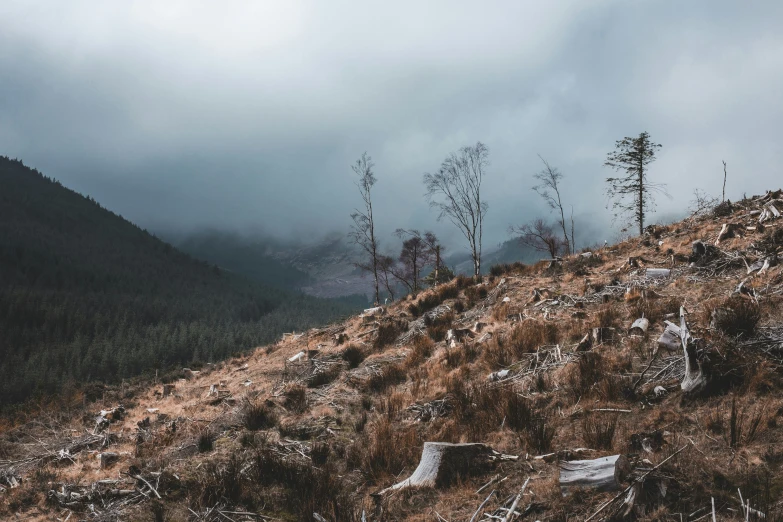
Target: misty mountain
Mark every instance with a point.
(246, 256)
(324, 268)
(86, 295)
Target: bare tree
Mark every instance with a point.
(455, 190)
(724, 181)
(702, 203)
(549, 190)
(363, 228)
(418, 251)
(539, 235)
(633, 193)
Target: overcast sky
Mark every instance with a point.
(185, 114)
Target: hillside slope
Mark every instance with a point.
(86, 295)
(541, 364)
(244, 256)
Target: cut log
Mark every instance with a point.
(658, 273)
(670, 338)
(640, 326)
(602, 474)
(442, 462)
(296, 358)
(694, 379)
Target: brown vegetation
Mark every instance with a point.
(324, 433)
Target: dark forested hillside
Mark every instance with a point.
(86, 295)
(244, 256)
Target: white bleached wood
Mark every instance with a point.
(694, 379)
(439, 460)
(510, 513)
(602, 474)
(670, 338)
(640, 326)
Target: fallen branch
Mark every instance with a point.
(473, 518)
(139, 477)
(510, 513)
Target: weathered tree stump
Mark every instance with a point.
(442, 462)
(670, 338)
(694, 379)
(168, 389)
(107, 458)
(602, 474)
(603, 335)
(640, 326)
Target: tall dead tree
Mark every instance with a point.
(455, 190)
(724, 181)
(363, 228)
(632, 194)
(540, 236)
(549, 190)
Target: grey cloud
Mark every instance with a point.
(249, 114)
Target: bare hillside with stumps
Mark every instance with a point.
(638, 381)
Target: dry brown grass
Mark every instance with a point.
(390, 375)
(598, 430)
(373, 438)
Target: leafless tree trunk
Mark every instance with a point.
(549, 190)
(455, 190)
(724, 181)
(363, 228)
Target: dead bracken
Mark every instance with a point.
(640, 382)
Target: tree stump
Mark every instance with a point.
(640, 326)
(602, 474)
(107, 458)
(694, 379)
(168, 389)
(603, 335)
(670, 338)
(442, 462)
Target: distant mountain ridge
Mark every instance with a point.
(325, 268)
(86, 295)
